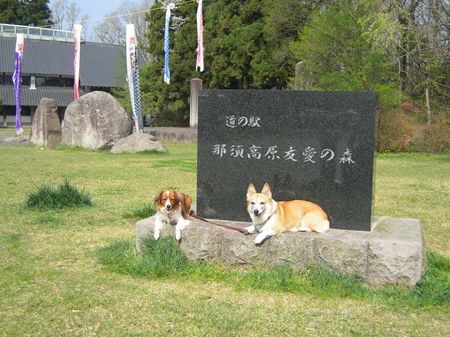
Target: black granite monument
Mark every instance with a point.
(310, 145)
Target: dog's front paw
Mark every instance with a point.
(250, 230)
(156, 235)
(178, 234)
(260, 238)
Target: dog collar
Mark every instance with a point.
(257, 227)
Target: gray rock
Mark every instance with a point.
(95, 121)
(179, 134)
(396, 252)
(286, 249)
(392, 253)
(207, 244)
(342, 251)
(46, 127)
(241, 249)
(137, 142)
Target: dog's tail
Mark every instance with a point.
(321, 226)
(330, 220)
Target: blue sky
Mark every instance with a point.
(96, 9)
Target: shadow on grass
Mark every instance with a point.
(163, 258)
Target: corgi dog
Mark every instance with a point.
(270, 217)
(172, 208)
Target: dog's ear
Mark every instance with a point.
(186, 202)
(179, 197)
(266, 190)
(158, 197)
(250, 190)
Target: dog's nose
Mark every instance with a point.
(255, 211)
(169, 206)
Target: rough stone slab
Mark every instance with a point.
(392, 253)
(396, 252)
(286, 249)
(207, 244)
(340, 251)
(241, 249)
(137, 142)
(46, 127)
(179, 134)
(95, 121)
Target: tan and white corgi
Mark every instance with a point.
(270, 217)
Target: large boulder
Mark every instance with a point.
(46, 126)
(95, 121)
(392, 253)
(137, 142)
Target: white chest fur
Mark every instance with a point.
(169, 217)
(173, 217)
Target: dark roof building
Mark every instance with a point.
(47, 67)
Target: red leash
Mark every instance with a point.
(234, 228)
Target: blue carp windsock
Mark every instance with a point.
(169, 7)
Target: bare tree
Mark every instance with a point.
(419, 32)
(112, 29)
(65, 15)
(58, 13)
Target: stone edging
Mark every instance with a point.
(392, 253)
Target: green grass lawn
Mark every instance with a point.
(53, 284)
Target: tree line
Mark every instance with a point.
(397, 48)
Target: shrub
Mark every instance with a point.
(395, 131)
(436, 137)
(160, 258)
(65, 196)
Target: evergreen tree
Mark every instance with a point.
(37, 13)
(26, 12)
(170, 102)
(282, 20)
(239, 54)
(254, 44)
(11, 11)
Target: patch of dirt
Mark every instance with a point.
(16, 140)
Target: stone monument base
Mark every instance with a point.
(180, 134)
(392, 253)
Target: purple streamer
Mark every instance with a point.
(17, 92)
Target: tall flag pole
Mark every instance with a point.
(17, 79)
(76, 62)
(133, 77)
(169, 7)
(200, 49)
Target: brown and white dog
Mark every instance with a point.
(172, 208)
(270, 217)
